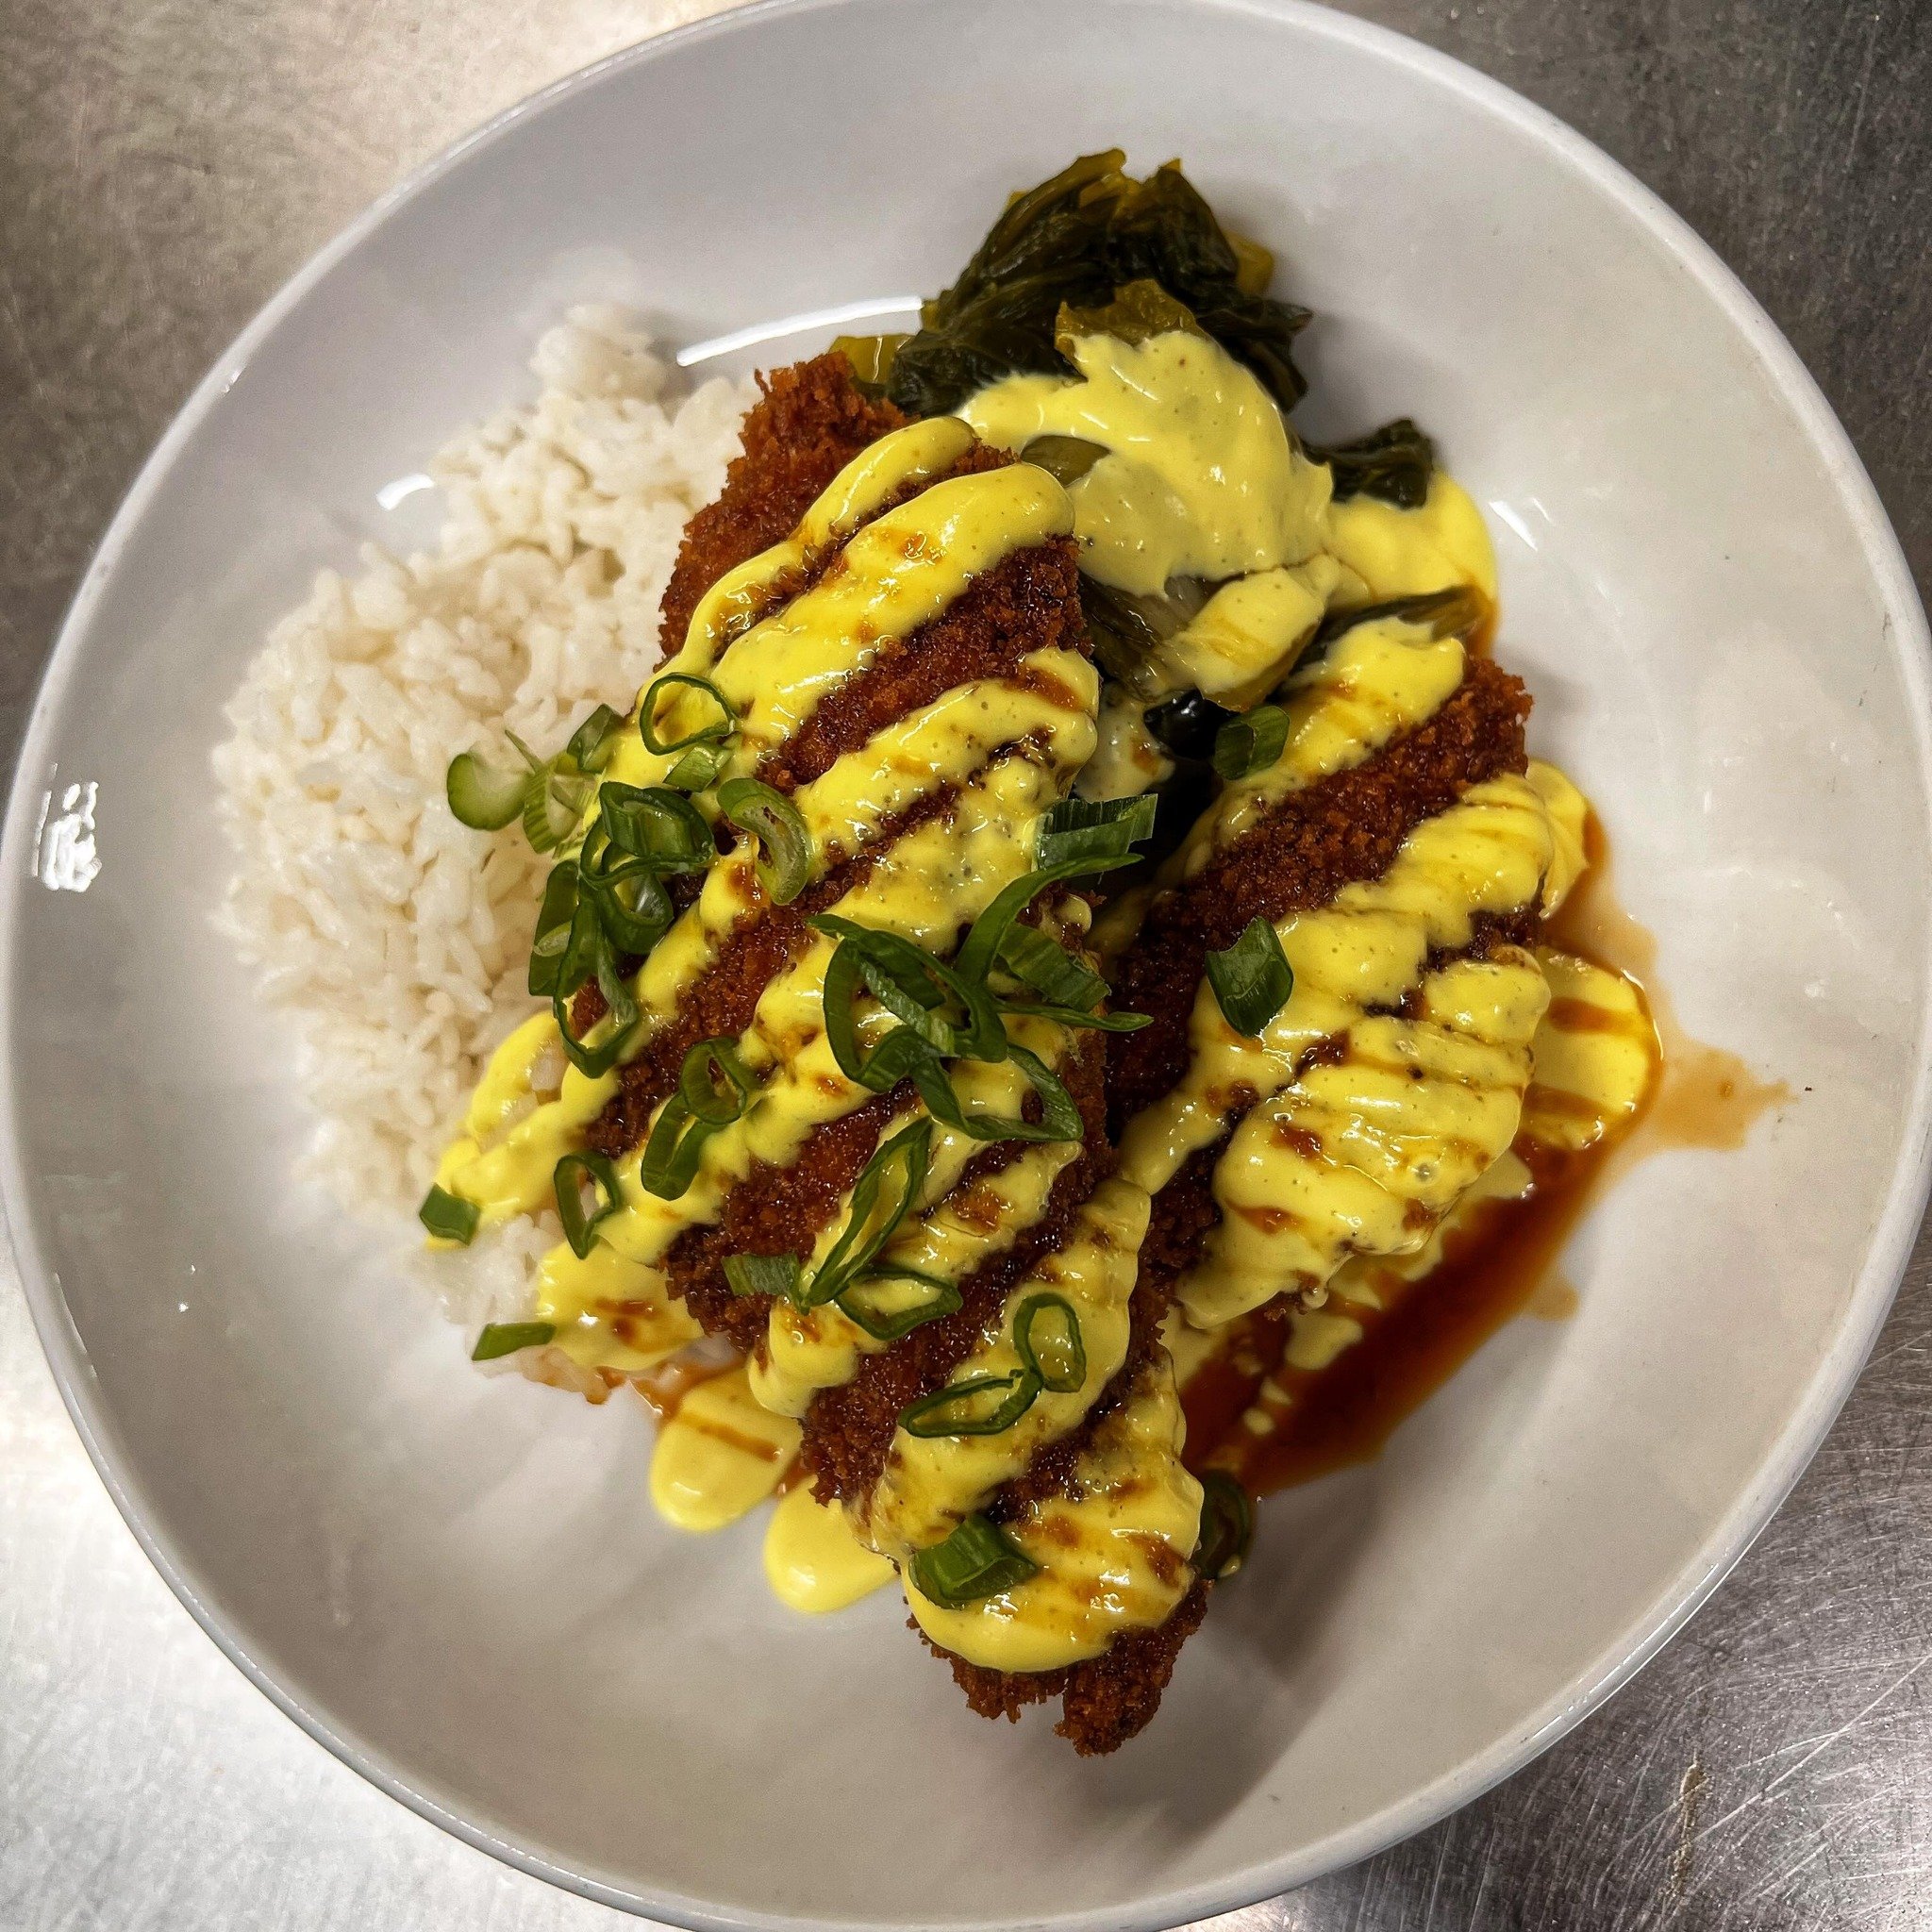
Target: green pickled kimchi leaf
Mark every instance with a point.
(1393, 462)
(1075, 241)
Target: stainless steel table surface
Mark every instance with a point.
(164, 164)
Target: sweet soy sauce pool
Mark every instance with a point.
(1501, 1260)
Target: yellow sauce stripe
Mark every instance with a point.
(719, 1456)
(813, 1562)
(863, 488)
(929, 1484)
(1408, 553)
(1200, 477)
(1488, 852)
(1364, 1156)
(1113, 1556)
(899, 572)
(1378, 679)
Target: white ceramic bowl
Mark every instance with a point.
(456, 1583)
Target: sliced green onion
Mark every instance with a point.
(1227, 1526)
(1252, 978)
(698, 768)
(572, 1172)
(714, 733)
(1250, 743)
(1055, 1355)
(869, 1222)
(506, 1338)
(594, 1061)
(887, 1317)
(594, 740)
(775, 822)
(480, 795)
(714, 1084)
(449, 1217)
(553, 924)
(914, 988)
(657, 824)
(977, 1561)
(1072, 991)
(1094, 828)
(1059, 1117)
(555, 795)
(975, 958)
(671, 1158)
(773, 1274)
(966, 1408)
(629, 902)
(1041, 962)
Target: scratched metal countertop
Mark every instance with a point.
(164, 164)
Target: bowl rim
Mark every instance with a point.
(1892, 1238)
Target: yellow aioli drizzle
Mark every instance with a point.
(876, 475)
(1200, 477)
(1595, 1054)
(1237, 645)
(929, 1484)
(1488, 852)
(1365, 1157)
(1408, 553)
(1114, 1555)
(719, 1456)
(897, 573)
(813, 1562)
(809, 1349)
(1129, 760)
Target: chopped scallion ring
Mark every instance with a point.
(629, 902)
(1227, 1526)
(965, 1408)
(1252, 978)
(870, 1224)
(698, 768)
(773, 1274)
(449, 1217)
(480, 795)
(657, 824)
(594, 1061)
(977, 1561)
(1054, 1354)
(572, 1172)
(914, 988)
(594, 740)
(1250, 743)
(713, 1083)
(1094, 828)
(555, 795)
(1072, 991)
(506, 1338)
(671, 1158)
(975, 958)
(555, 921)
(777, 824)
(880, 1302)
(714, 733)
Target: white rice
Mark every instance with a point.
(394, 938)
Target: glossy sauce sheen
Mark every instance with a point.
(1499, 1257)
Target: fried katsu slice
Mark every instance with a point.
(1346, 827)
(1105, 1700)
(1401, 871)
(810, 420)
(1006, 1220)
